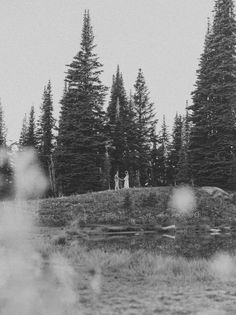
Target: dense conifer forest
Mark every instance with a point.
(94, 139)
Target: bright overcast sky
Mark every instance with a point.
(39, 37)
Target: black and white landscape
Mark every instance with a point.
(117, 157)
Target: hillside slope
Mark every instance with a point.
(134, 206)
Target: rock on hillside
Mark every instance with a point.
(216, 192)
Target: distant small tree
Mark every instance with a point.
(5, 167)
(106, 171)
(175, 148)
(3, 130)
(31, 134)
(45, 136)
(24, 132)
(46, 123)
(184, 172)
(154, 160)
(163, 155)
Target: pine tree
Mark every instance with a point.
(46, 127)
(129, 154)
(183, 174)
(120, 129)
(81, 142)
(200, 116)
(3, 130)
(118, 104)
(106, 171)
(223, 136)
(213, 107)
(154, 160)
(31, 134)
(64, 151)
(24, 132)
(45, 137)
(6, 187)
(163, 155)
(46, 123)
(175, 148)
(145, 126)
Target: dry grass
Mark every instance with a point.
(124, 281)
(149, 266)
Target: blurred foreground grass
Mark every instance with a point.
(144, 264)
(125, 282)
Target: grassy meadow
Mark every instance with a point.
(141, 282)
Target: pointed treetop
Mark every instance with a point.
(186, 104)
(223, 9)
(140, 72)
(118, 76)
(49, 86)
(87, 32)
(117, 108)
(164, 119)
(118, 79)
(208, 25)
(65, 87)
(118, 70)
(208, 32)
(140, 81)
(3, 130)
(164, 130)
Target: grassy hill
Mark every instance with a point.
(146, 206)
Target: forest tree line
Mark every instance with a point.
(90, 144)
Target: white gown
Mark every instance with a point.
(126, 181)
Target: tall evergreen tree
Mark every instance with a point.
(214, 99)
(145, 126)
(118, 103)
(131, 152)
(183, 174)
(81, 142)
(175, 147)
(32, 133)
(120, 129)
(45, 136)
(3, 130)
(24, 132)
(201, 116)
(154, 160)
(163, 155)
(46, 127)
(46, 123)
(106, 171)
(6, 187)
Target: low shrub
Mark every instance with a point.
(149, 200)
(127, 202)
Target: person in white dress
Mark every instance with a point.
(126, 180)
(117, 179)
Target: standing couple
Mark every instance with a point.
(125, 180)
